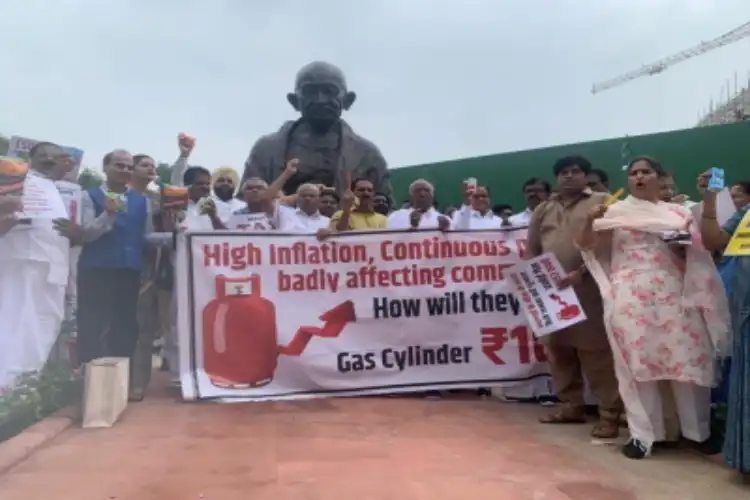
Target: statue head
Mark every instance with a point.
(320, 94)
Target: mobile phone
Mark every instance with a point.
(471, 184)
(716, 179)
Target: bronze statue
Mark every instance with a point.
(328, 150)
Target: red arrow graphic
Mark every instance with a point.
(334, 322)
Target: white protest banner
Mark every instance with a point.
(547, 308)
(267, 316)
(20, 147)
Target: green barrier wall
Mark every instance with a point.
(685, 153)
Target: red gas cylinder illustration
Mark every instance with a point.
(568, 311)
(240, 338)
(240, 347)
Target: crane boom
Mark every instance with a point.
(659, 66)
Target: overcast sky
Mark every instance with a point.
(436, 79)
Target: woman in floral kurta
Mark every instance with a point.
(658, 337)
(660, 302)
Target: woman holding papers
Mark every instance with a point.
(664, 310)
(737, 441)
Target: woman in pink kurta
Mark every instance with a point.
(664, 307)
(659, 339)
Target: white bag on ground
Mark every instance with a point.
(105, 393)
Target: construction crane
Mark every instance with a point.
(659, 66)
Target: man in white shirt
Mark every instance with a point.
(198, 181)
(34, 267)
(263, 210)
(422, 213)
(306, 217)
(225, 181)
(466, 205)
(535, 191)
(479, 215)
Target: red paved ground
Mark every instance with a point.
(360, 448)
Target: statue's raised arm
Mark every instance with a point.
(328, 150)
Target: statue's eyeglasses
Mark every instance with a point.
(319, 89)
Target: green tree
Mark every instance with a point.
(164, 172)
(89, 178)
(4, 145)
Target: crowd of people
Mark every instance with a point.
(667, 314)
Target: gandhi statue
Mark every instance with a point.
(328, 150)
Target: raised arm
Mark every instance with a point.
(342, 224)
(713, 235)
(178, 171)
(278, 184)
(185, 145)
(586, 238)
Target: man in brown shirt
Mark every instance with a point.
(582, 349)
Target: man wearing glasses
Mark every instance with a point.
(116, 226)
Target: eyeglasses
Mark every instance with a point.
(310, 90)
(122, 165)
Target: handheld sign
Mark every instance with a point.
(716, 179)
(615, 196)
(739, 245)
(547, 308)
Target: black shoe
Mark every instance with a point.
(666, 445)
(711, 446)
(635, 449)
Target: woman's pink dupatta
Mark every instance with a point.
(702, 290)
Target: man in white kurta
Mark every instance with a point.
(198, 181)
(306, 216)
(34, 266)
(224, 181)
(420, 214)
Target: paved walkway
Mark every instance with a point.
(360, 448)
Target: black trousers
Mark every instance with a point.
(107, 313)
